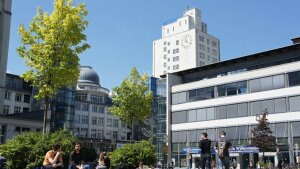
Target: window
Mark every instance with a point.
(280, 105)
(81, 96)
(84, 132)
(93, 133)
(165, 43)
(179, 117)
(243, 110)
(168, 51)
(221, 112)
(201, 38)
(242, 87)
(208, 41)
(201, 114)
(294, 78)
(17, 109)
(100, 121)
(165, 49)
(208, 50)
(5, 109)
(208, 58)
(165, 64)
(123, 125)
(175, 50)
(101, 110)
(175, 67)
(26, 98)
(205, 93)
(96, 98)
(85, 107)
(222, 90)
(211, 113)
(18, 97)
(165, 56)
(100, 133)
(266, 83)
(115, 135)
(231, 89)
(192, 95)
(177, 42)
(192, 115)
(254, 85)
(77, 119)
(268, 105)
(84, 119)
(278, 81)
(77, 106)
(176, 58)
(178, 98)
(7, 95)
(232, 111)
(94, 108)
(25, 109)
(116, 123)
(94, 120)
(214, 44)
(255, 108)
(294, 103)
(109, 122)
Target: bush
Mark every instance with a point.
(130, 154)
(28, 150)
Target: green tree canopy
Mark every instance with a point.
(132, 99)
(262, 135)
(29, 149)
(131, 154)
(51, 46)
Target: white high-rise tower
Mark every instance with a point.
(184, 44)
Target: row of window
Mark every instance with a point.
(280, 130)
(18, 97)
(93, 97)
(98, 133)
(17, 109)
(213, 43)
(236, 88)
(98, 121)
(86, 107)
(279, 105)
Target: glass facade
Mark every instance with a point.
(237, 88)
(158, 87)
(273, 106)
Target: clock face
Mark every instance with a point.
(186, 41)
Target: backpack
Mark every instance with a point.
(221, 148)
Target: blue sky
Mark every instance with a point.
(121, 32)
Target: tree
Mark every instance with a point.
(132, 99)
(131, 154)
(262, 135)
(28, 150)
(51, 47)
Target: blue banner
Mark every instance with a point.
(234, 149)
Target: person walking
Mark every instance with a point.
(279, 158)
(234, 164)
(53, 158)
(101, 162)
(223, 145)
(77, 158)
(106, 160)
(204, 146)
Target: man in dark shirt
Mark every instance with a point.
(205, 144)
(77, 158)
(223, 145)
(106, 160)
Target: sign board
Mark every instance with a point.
(234, 149)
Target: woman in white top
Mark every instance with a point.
(101, 164)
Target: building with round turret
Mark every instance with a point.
(94, 125)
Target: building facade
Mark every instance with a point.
(17, 95)
(184, 44)
(93, 122)
(228, 96)
(5, 16)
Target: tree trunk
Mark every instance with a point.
(131, 138)
(45, 114)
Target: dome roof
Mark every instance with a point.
(88, 75)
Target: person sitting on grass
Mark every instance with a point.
(53, 158)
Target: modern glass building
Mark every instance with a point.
(227, 96)
(158, 88)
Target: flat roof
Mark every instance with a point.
(236, 60)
